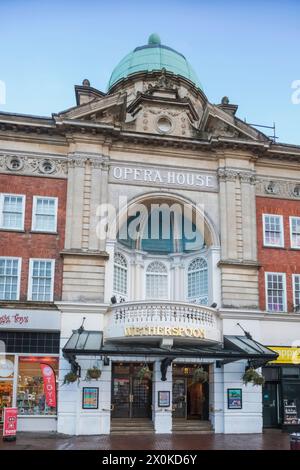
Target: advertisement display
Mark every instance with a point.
(49, 384)
(10, 423)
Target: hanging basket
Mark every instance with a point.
(144, 373)
(93, 373)
(70, 378)
(200, 376)
(252, 376)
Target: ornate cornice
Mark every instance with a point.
(33, 164)
(286, 189)
(232, 174)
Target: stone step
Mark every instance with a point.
(131, 426)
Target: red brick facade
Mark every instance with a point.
(283, 260)
(27, 244)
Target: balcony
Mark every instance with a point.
(146, 320)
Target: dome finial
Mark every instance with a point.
(154, 39)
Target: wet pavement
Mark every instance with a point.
(266, 441)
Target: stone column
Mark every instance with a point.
(96, 168)
(74, 213)
(162, 417)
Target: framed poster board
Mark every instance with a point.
(163, 399)
(234, 398)
(90, 398)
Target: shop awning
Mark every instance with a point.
(90, 343)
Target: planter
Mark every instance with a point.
(93, 373)
(200, 376)
(70, 378)
(252, 376)
(144, 373)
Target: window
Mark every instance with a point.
(296, 289)
(275, 292)
(10, 278)
(295, 232)
(44, 214)
(12, 211)
(31, 398)
(198, 281)
(41, 280)
(120, 274)
(156, 281)
(273, 230)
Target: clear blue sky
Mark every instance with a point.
(248, 50)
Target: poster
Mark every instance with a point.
(163, 399)
(234, 396)
(10, 422)
(90, 398)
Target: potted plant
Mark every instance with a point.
(70, 378)
(200, 375)
(144, 373)
(93, 373)
(252, 376)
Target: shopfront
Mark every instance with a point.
(281, 392)
(24, 354)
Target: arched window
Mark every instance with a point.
(120, 274)
(198, 281)
(156, 281)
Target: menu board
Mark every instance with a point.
(290, 412)
(90, 398)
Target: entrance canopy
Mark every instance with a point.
(90, 343)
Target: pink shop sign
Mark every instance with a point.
(13, 319)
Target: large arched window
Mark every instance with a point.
(198, 281)
(120, 274)
(156, 281)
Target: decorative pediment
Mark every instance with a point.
(108, 109)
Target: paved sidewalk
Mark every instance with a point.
(40, 441)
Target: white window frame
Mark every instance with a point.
(115, 292)
(281, 245)
(186, 275)
(2, 196)
(30, 272)
(294, 290)
(34, 206)
(167, 266)
(19, 272)
(291, 232)
(284, 292)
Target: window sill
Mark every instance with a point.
(19, 230)
(43, 232)
(275, 246)
(297, 248)
(36, 416)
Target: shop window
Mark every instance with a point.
(120, 274)
(275, 292)
(30, 394)
(10, 278)
(291, 403)
(156, 281)
(273, 230)
(12, 208)
(198, 281)
(41, 280)
(295, 232)
(44, 214)
(271, 374)
(6, 382)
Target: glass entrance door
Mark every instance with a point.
(131, 397)
(270, 406)
(179, 397)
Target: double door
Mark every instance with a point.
(131, 397)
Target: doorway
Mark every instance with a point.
(131, 397)
(190, 400)
(270, 405)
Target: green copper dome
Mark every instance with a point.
(153, 56)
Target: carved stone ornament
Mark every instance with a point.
(33, 164)
(278, 188)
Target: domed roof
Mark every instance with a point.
(153, 56)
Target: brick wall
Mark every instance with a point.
(284, 260)
(35, 245)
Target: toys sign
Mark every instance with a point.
(10, 423)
